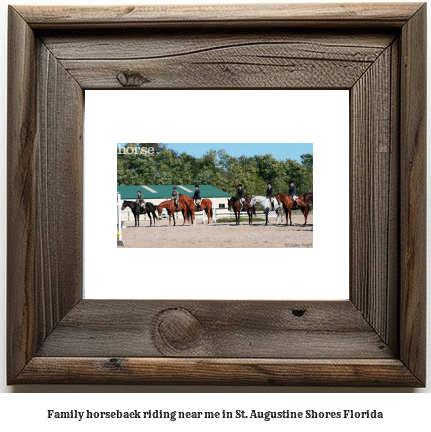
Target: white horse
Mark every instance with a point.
(265, 204)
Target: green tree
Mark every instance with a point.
(217, 168)
(307, 160)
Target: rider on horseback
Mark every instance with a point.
(270, 195)
(140, 199)
(292, 193)
(197, 198)
(175, 197)
(240, 196)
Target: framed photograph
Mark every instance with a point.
(374, 337)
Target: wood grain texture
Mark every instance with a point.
(197, 371)
(413, 194)
(145, 45)
(21, 194)
(300, 15)
(45, 105)
(373, 195)
(285, 61)
(59, 245)
(265, 329)
(209, 59)
(376, 338)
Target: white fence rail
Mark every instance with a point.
(127, 215)
(119, 220)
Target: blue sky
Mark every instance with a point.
(278, 150)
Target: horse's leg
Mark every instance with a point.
(290, 217)
(285, 211)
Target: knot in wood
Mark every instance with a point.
(178, 329)
(131, 79)
(298, 312)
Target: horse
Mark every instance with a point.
(206, 205)
(235, 204)
(137, 210)
(170, 207)
(288, 205)
(265, 204)
(308, 197)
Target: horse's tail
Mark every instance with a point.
(211, 213)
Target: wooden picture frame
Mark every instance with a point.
(376, 338)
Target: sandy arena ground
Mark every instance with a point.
(220, 235)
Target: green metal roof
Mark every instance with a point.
(165, 192)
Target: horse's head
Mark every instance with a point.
(229, 204)
(159, 211)
(124, 205)
(253, 200)
(277, 197)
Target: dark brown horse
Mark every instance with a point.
(303, 202)
(235, 205)
(170, 207)
(308, 197)
(206, 205)
(149, 209)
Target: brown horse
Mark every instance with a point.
(289, 205)
(206, 205)
(170, 207)
(235, 204)
(308, 197)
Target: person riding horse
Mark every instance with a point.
(140, 199)
(175, 197)
(270, 195)
(292, 194)
(197, 198)
(240, 196)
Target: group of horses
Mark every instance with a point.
(281, 202)
(188, 208)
